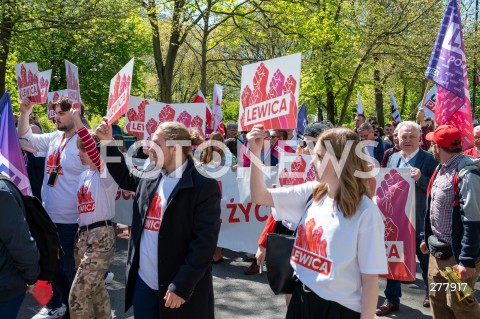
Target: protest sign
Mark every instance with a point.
(275, 106)
(294, 169)
(73, 85)
(44, 84)
(51, 98)
(135, 119)
(192, 115)
(429, 104)
(395, 197)
(27, 80)
(120, 92)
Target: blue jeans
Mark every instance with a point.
(62, 282)
(393, 290)
(145, 301)
(9, 309)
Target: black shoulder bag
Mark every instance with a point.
(279, 249)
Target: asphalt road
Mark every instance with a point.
(239, 296)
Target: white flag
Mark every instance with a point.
(217, 106)
(359, 103)
(395, 114)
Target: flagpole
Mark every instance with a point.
(425, 93)
(475, 71)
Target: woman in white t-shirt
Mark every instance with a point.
(95, 245)
(339, 249)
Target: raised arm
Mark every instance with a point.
(87, 140)
(258, 189)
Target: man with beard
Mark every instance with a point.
(59, 191)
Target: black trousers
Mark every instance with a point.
(305, 304)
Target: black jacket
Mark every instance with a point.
(186, 240)
(18, 252)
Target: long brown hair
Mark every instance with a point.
(352, 188)
(207, 156)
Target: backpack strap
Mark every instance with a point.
(456, 180)
(430, 183)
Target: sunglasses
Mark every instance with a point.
(304, 144)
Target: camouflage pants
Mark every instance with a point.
(93, 255)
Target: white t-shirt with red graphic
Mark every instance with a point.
(331, 252)
(148, 269)
(96, 197)
(59, 201)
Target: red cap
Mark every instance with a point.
(445, 135)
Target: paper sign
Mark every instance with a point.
(51, 98)
(120, 92)
(73, 85)
(294, 169)
(269, 93)
(27, 80)
(395, 197)
(190, 114)
(44, 84)
(430, 101)
(135, 120)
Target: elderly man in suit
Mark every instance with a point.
(422, 166)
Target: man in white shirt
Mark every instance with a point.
(59, 191)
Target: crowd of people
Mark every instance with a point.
(176, 216)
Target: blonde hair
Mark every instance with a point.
(207, 156)
(352, 188)
(176, 131)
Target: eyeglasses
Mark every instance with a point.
(276, 136)
(304, 144)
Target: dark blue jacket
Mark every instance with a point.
(426, 164)
(186, 240)
(380, 149)
(18, 252)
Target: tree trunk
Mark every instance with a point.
(378, 98)
(5, 37)
(206, 33)
(330, 107)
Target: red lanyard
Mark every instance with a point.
(60, 149)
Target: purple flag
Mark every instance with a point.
(302, 121)
(446, 66)
(11, 159)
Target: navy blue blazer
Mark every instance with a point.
(426, 164)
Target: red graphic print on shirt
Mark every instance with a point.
(86, 203)
(154, 214)
(51, 164)
(310, 249)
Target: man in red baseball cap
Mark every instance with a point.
(452, 226)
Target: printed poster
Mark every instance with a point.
(269, 93)
(190, 114)
(295, 169)
(395, 197)
(73, 85)
(135, 119)
(44, 84)
(119, 95)
(430, 101)
(51, 98)
(27, 80)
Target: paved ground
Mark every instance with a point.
(239, 296)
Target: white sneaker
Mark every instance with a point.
(108, 277)
(47, 313)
